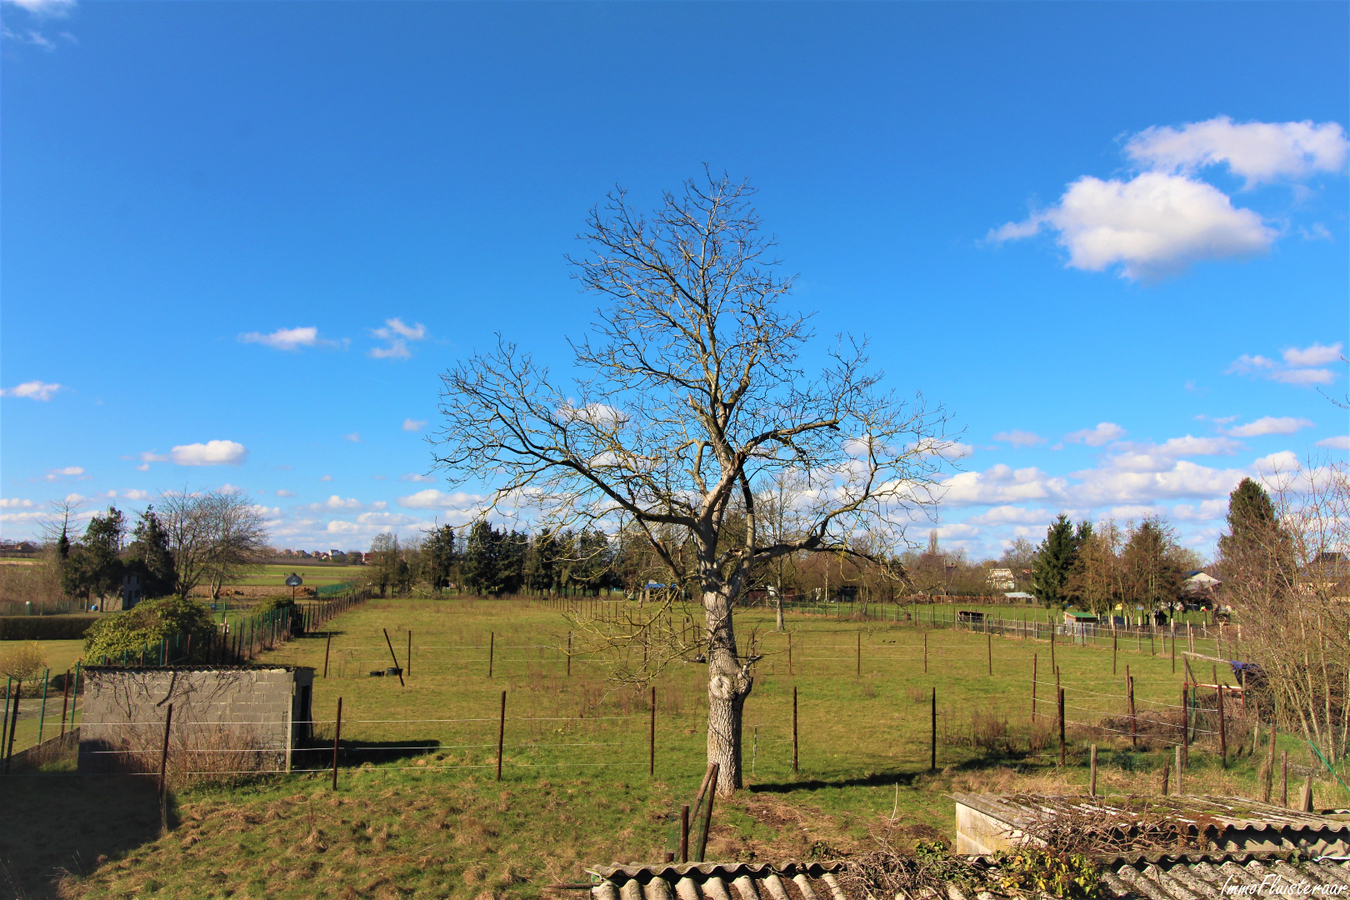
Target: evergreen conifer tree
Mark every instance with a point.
(1054, 563)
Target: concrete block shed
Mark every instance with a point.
(262, 710)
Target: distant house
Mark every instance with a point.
(1001, 579)
(1020, 597)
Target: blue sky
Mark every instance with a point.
(239, 242)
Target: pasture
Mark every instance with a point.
(419, 811)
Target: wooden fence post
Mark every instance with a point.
(1034, 662)
(1284, 778)
(492, 649)
(1180, 789)
(1092, 776)
(989, 639)
(326, 648)
(569, 654)
(859, 657)
(394, 655)
(501, 736)
(1134, 719)
(337, 733)
(707, 810)
(1167, 768)
(1061, 726)
(407, 667)
(684, 833)
(65, 702)
(13, 724)
(1268, 787)
(1223, 730)
(932, 746)
(164, 753)
(925, 653)
(794, 730)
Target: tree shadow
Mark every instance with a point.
(872, 779)
(64, 829)
(355, 753)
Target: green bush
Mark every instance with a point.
(44, 628)
(148, 623)
(275, 601)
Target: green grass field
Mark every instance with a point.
(275, 574)
(419, 814)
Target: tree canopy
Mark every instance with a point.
(688, 397)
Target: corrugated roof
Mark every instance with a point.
(1175, 877)
(1121, 812)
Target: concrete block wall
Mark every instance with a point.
(126, 707)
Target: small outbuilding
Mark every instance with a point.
(251, 716)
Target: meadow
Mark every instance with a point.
(419, 812)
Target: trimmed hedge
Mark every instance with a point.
(45, 628)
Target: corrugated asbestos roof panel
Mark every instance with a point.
(1231, 812)
(1227, 878)
(1203, 876)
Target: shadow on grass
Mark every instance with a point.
(874, 779)
(889, 779)
(355, 753)
(60, 827)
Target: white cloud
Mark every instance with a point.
(325, 477)
(1270, 425)
(1339, 442)
(289, 338)
(1000, 484)
(1316, 355)
(386, 519)
(285, 493)
(1104, 433)
(15, 503)
(1152, 226)
(33, 390)
(1255, 151)
(413, 476)
(354, 437)
(600, 415)
(414, 424)
(336, 502)
(396, 336)
(1019, 438)
(1012, 515)
(65, 473)
(1197, 446)
(1246, 364)
(212, 453)
(45, 7)
(1304, 377)
(434, 499)
(339, 527)
(1299, 366)
(1133, 511)
(136, 494)
(1182, 480)
(1205, 511)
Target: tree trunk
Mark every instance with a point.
(729, 683)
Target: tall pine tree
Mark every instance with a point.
(1054, 564)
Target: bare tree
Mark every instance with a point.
(690, 396)
(1287, 578)
(215, 537)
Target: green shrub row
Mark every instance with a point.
(44, 628)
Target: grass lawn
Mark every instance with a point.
(418, 811)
